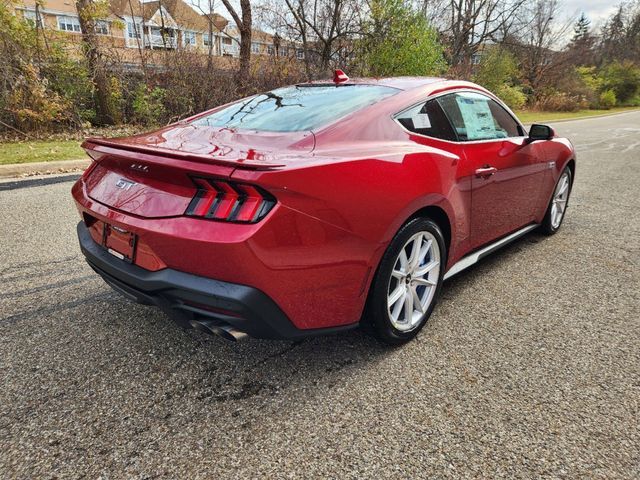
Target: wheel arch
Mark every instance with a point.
(440, 217)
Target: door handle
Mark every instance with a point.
(486, 172)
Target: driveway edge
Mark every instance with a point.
(42, 168)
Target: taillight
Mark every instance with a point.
(229, 201)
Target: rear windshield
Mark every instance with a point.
(296, 108)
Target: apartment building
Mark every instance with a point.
(132, 26)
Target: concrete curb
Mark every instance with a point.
(40, 168)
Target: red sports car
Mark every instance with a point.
(318, 207)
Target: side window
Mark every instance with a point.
(477, 117)
(427, 119)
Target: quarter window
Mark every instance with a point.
(477, 117)
(427, 119)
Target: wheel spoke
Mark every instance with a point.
(408, 307)
(395, 313)
(420, 272)
(396, 295)
(398, 274)
(565, 186)
(424, 250)
(425, 281)
(416, 300)
(414, 258)
(404, 263)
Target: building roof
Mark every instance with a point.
(184, 15)
(181, 12)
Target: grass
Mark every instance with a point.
(530, 116)
(40, 151)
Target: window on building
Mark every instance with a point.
(284, 51)
(300, 54)
(69, 24)
(188, 38)
(255, 47)
(133, 30)
(102, 27)
(270, 49)
(33, 18)
(476, 58)
(226, 41)
(206, 39)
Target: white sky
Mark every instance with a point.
(596, 10)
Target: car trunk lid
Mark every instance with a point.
(151, 175)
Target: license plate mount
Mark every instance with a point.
(119, 242)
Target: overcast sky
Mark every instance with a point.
(596, 10)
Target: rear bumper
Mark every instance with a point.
(245, 308)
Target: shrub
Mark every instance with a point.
(607, 99)
(555, 101)
(399, 41)
(498, 72)
(512, 96)
(623, 78)
(148, 105)
(41, 87)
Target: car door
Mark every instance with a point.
(506, 171)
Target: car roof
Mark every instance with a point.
(401, 83)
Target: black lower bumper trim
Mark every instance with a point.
(245, 308)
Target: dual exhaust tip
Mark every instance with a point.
(223, 330)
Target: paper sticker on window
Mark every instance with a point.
(421, 120)
(477, 117)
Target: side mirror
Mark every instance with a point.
(540, 132)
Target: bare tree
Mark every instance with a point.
(325, 28)
(95, 62)
(209, 14)
(466, 25)
(244, 23)
(536, 45)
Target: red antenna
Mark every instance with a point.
(339, 77)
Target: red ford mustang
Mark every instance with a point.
(318, 207)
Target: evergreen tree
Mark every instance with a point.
(581, 28)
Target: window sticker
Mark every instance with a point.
(477, 117)
(421, 120)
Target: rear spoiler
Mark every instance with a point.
(111, 147)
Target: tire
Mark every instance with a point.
(559, 200)
(400, 276)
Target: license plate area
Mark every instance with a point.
(119, 242)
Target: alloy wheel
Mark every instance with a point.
(413, 281)
(559, 201)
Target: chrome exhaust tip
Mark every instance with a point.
(220, 329)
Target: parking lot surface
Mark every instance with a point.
(528, 368)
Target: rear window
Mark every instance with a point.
(296, 108)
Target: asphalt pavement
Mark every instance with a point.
(528, 368)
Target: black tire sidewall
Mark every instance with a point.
(377, 308)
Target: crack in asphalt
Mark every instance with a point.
(12, 319)
(63, 283)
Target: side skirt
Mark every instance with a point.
(472, 258)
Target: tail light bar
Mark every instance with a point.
(229, 201)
